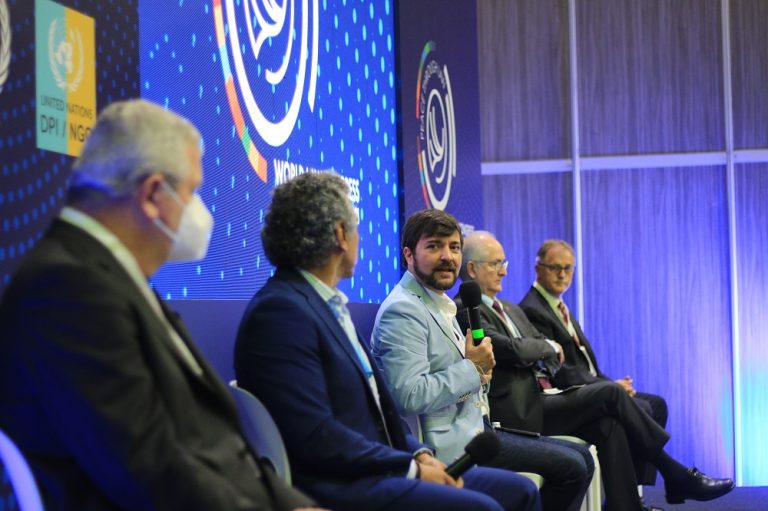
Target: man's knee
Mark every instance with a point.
(508, 489)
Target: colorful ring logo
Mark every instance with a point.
(276, 64)
(436, 141)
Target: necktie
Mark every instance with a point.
(575, 337)
(497, 308)
(510, 324)
(543, 380)
(564, 313)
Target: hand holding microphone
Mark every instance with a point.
(480, 354)
(478, 348)
(471, 297)
(433, 470)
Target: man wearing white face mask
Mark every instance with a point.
(100, 385)
(190, 241)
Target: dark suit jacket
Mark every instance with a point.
(100, 402)
(514, 394)
(575, 370)
(294, 355)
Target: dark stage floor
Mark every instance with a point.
(740, 499)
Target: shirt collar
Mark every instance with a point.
(553, 301)
(443, 302)
(108, 239)
(487, 300)
(325, 291)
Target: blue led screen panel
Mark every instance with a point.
(278, 89)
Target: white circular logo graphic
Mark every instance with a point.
(66, 55)
(5, 43)
(436, 142)
(283, 55)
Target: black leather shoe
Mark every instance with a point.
(696, 486)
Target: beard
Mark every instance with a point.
(431, 280)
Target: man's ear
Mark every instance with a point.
(408, 255)
(341, 237)
(146, 192)
(471, 269)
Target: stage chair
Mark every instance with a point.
(536, 478)
(261, 431)
(13, 467)
(593, 500)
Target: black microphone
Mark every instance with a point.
(481, 449)
(471, 297)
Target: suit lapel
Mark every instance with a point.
(496, 319)
(97, 255)
(517, 316)
(209, 376)
(386, 407)
(552, 314)
(587, 357)
(323, 311)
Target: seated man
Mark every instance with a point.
(299, 352)
(100, 385)
(436, 373)
(601, 414)
(545, 309)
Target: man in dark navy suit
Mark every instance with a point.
(299, 352)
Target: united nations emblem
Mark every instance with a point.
(5, 43)
(436, 141)
(66, 55)
(273, 69)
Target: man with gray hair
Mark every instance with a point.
(299, 352)
(100, 384)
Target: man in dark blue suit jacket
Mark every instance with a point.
(299, 352)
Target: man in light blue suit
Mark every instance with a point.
(299, 352)
(437, 374)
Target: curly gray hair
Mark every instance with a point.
(299, 227)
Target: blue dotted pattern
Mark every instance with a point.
(33, 181)
(352, 130)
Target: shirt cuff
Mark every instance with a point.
(413, 469)
(552, 344)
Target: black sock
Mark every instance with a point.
(670, 469)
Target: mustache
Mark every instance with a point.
(445, 267)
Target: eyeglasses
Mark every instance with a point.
(556, 268)
(497, 265)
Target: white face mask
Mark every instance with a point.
(190, 241)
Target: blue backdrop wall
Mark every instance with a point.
(636, 131)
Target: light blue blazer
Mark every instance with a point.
(425, 370)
